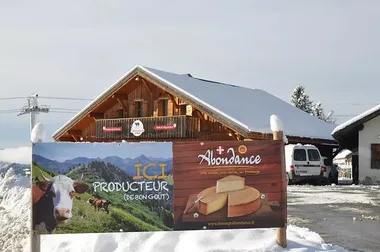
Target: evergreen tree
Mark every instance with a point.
(317, 111)
(301, 100)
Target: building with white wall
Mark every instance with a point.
(361, 134)
(344, 162)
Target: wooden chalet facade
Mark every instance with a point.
(166, 113)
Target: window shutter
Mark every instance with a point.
(170, 108)
(145, 109)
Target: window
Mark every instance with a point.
(164, 103)
(375, 156)
(313, 155)
(326, 162)
(299, 155)
(139, 108)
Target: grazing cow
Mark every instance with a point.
(99, 203)
(53, 201)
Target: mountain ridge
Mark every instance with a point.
(126, 164)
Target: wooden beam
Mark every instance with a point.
(120, 96)
(147, 86)
(75, 139)
(97, 115)
(174, 101)
(200, 115)
(75, 132)
(65, 139)
(122, 105)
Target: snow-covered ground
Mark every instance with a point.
(14, 212)
(330, 194)
(15, 219)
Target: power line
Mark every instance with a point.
(54, 110)
(63, 112)
(66, 109)
(64, 98)
(11, 98)
(358, 103)
(9, 111)
(48, 97)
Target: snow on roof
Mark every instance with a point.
(252, 107)
(249, 108)
(355, 119)
(343, 154)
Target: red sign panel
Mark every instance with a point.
(165, 127)
(112, 129)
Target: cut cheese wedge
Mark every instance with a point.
(230, 183)
(211, 201)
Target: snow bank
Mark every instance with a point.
(14, 212)
(38, 133)
(21, 155)
(277, 125)
(299, 239)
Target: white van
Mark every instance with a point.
(303, 162)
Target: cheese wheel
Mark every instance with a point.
(243, 202)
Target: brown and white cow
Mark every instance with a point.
(53, 201)
(99, 204)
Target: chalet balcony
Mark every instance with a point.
(162, 127)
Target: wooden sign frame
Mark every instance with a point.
(256, 172)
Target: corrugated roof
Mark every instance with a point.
(249, 108)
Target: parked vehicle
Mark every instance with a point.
(332, 172)
(303, 162)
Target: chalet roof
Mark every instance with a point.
(354, 123)
(248, 108)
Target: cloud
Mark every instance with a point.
(21, 155)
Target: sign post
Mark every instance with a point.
(278, 134)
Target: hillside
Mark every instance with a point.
(56, 166)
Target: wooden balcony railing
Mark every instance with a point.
(154, 127)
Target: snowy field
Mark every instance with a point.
(15, 218)
(330, 194)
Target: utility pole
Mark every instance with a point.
(33, 109)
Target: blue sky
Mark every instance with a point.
(64, 151)
(80, 48)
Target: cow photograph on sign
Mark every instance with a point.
(229, 184)
(100, 188)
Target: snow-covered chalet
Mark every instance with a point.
(175, 107)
